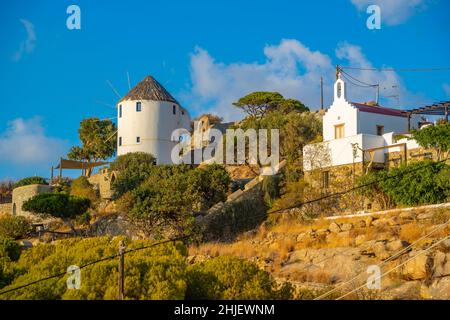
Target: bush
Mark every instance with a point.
(417, 183)
(271, 189)
(30, 180)
(153, 273)
(81, 187)
(133, 169)
(167, 201)
(9, 249)
(232, 278)
(58, 205)
(15, 227)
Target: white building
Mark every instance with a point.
(146, 118)
(350, 127)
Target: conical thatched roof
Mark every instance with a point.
(149, 89)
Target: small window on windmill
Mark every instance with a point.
(120, 111)
(138, 107)
(174, 109)
(120, 141)
(182, 112)
(138, 139)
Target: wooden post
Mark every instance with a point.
(121, 269)
(60, 168)
(51, 176)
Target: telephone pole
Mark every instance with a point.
(121, 267)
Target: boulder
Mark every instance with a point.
(440, 289)
(368, 221)
(397, 245)
(360, 239)
(441, 264)
(445, 245)
(417, 268)
(346, 226)
(334, 227)
(424, 216)
(379, 249)
(407, 215)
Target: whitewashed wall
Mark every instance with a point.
(154, 125)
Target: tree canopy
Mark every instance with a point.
(30, 180)
(436, 137)
(258, 104)
(98, 138)
(58, 205)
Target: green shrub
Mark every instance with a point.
(232, 278)
(15, 227)
(271, 189)
(9, 249)
(133, 169)
(167, 201)
(58, 205)
(155, 273)
(417, 183)
(81, 187)
(30, 180)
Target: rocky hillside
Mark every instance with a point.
(322, 255)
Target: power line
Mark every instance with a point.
(365, 83)
(58, 275)
(397, 69)
(186, 237)
(396, 267)
(392, 257)
(356, 188)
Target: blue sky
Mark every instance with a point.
(206, 53)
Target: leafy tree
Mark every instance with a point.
(258, 104)
(132, 169)
(30, 180)
(232, 278)
(98, 140)
(58, 205)
(167, 201)
(15, 227)
(435, 137)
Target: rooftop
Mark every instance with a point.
(149, 89)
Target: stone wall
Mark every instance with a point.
(6, 208)
(21, 194)
(103, 182)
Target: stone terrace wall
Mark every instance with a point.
(21, 194)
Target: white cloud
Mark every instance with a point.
(393, 12)
(27, 45)
(290, 68)
(24, 142)
(446, 88)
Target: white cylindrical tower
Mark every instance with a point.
(146, 118)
